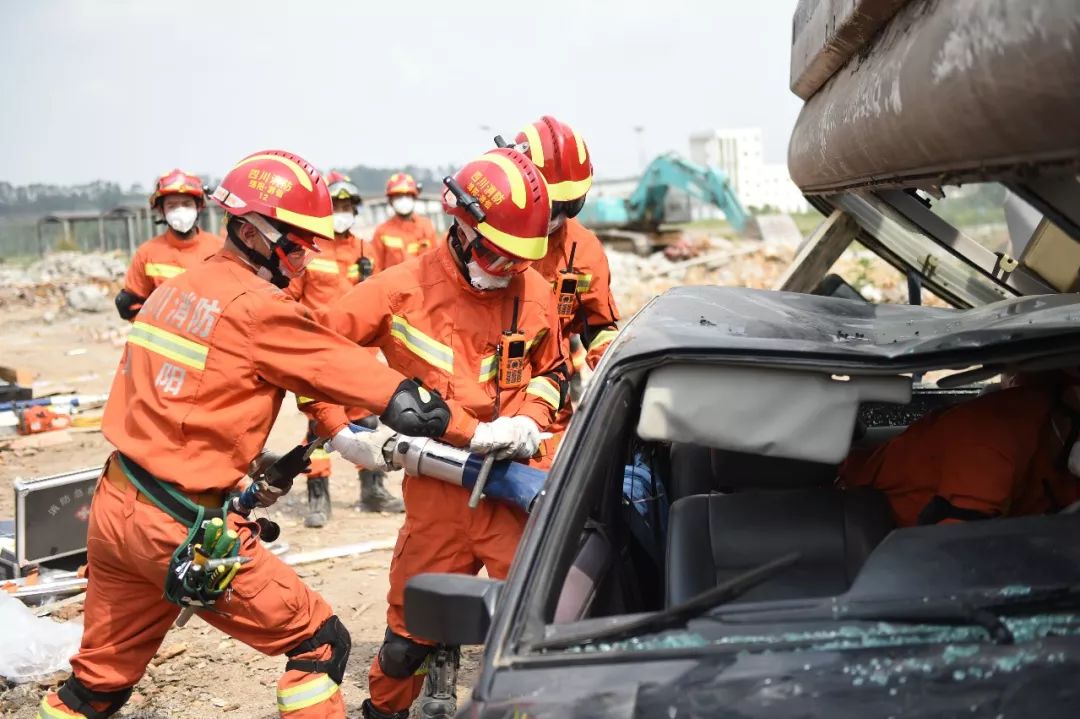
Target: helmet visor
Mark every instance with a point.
(491, 259)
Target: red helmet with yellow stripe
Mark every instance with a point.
(503, 198)
(402, 183)
(561, 155)
(283, 187)
(178, 182)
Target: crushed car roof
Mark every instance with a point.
(798, 328)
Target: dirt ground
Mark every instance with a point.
(211, 675)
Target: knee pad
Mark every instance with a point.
(77, 697)
(400, 657)
(332, 633)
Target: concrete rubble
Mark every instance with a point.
(82, 281)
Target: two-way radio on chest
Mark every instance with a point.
(510, 357)
(567, 290)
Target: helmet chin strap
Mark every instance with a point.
(271, 264)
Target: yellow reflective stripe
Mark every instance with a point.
(168, 345)
(527, 248)
(412, 248)
(320, 454)
(301, 174)
(328, 266)
(543, 389)
(568, 190)
(323, 226)
(584, 283)
(46, 711)
(602, 338)
(304, 400)
(488, 368)
(581, 154)
(514, 176)
(353, 271)
(536, 148)
(158, 269)
(305, 695)
(426, 348)
(392, 241)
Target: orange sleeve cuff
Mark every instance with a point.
(539, 412)
(462, 426)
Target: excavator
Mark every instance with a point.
(637, 219)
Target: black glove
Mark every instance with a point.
(128, 304)
(416, 412)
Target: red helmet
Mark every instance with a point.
(178, 182)
(342, 188)
(562, 157)
(502, 197)
(402, 183)
(283, 187)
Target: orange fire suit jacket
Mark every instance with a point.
(596, 316)
(165, 256)
(1002, 454)
(331, 272)
(206, 366)
(433, 325)
(400, 238)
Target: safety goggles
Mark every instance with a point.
(490, 258)
(292, 245)
(567, 209)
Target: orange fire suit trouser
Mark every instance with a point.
(440, 534)
(130, 543)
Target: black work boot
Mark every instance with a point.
(318, 497)
(439, 698)
(374, 496)
(368, 710)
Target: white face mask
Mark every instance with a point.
(1074, 459)
(343, 221)
(182, 219)
(483, 281)
(403, 204)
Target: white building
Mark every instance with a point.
(738, 152)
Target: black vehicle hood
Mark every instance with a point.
(759, 323)
(937, 680)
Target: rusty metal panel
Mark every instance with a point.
(948, 91)
(826, 33)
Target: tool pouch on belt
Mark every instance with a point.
(184, 584)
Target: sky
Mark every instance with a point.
(124, 90)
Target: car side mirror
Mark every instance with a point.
(452, 609)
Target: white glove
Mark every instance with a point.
(527, 438)
(506, 437)
(493, 437)
(364, 448)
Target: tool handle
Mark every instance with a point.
(185, 615)
(481, 481)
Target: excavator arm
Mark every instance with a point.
(645, 206)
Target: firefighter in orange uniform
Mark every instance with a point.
(330, 274)
(207, 363)
(470, 319)
(178, 197)
(575, 264)
(1009, 453)
(405, 234)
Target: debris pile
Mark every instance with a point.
(740, 263)
(83, 281)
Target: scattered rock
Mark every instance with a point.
(88, 298)
(166, 653)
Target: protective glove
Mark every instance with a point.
(494, 437)
(364, 449)
(265, 494)
(507, 437)
(526, 439)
